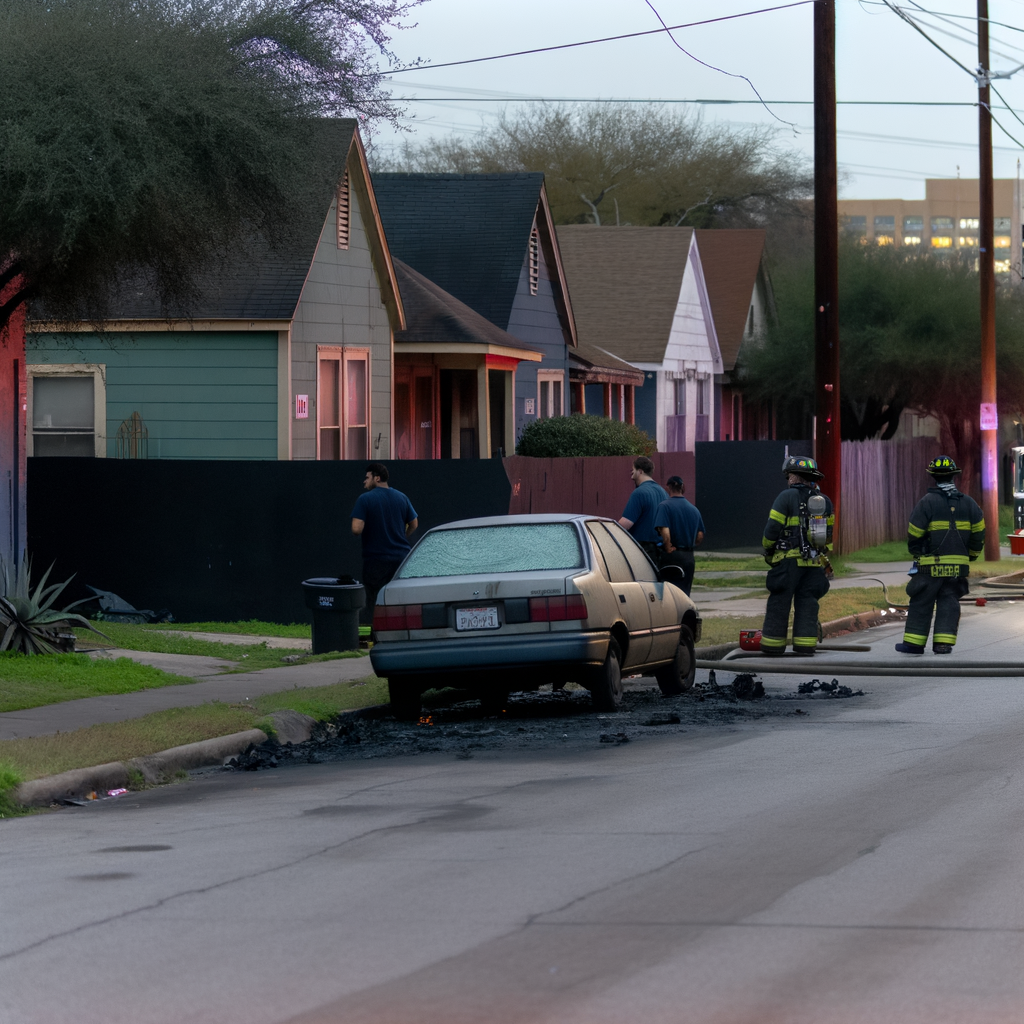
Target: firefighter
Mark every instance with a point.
(796, 539)
(946, 533)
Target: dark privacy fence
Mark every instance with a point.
(226, 540)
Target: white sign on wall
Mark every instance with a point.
(302, 407)
(989, 416)
(531, 404)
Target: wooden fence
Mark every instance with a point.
(597, 486)
(882, 481)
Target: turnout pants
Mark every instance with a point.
(801, 586)
(686, 562)
(941, 595)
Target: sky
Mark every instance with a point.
(884, 151)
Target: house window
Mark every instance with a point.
(343, 212)
(67, 410)
(549, 394)
(680, 397)
(702, 397)
(534, 260)
(343, 403)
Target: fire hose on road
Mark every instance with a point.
(911, 666)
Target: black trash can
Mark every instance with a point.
(335, 603)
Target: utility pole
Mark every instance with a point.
(987, 273)
(827, 446)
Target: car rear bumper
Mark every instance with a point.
(461, 654)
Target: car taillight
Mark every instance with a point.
(397, 616)
(557, 609)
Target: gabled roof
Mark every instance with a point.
(258, 281)
(625, 284)
(432, 315)
(468, 233)
(731, 260)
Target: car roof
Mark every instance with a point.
(522, 520)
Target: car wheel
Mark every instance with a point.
(404, 693)
(606, 683)
(677, 676)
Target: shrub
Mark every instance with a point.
(582, 435)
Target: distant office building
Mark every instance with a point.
(946, 220)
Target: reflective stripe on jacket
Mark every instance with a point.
(946, 529)
(782, 534)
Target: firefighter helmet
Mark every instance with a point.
(943, 465)
(802, 466)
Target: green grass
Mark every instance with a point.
(250, 657)
(39, 756)
(704, 563)
(32, 681)
(725, 584)
(10, 777)
(726, 630)
(253, 627)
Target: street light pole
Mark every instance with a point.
(987, 273)
(827, 440)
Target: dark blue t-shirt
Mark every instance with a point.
(641, 508)
(385, 512)
(683, 520)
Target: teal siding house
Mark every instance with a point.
(286, 355)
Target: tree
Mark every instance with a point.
(620, 163)
(146, 136)
(910, 338)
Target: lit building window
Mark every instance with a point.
(968, 223)
(913, 225)
(1002, 266)
(1002, 242)
(856, 225)
(884, 239)
(911, 239)
(967, 241)
(942, 242)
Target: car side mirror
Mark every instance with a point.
(671, 574)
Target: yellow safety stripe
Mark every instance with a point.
(777, 516)
(766, 543)
(943, 559)
(944, 638)
(914, 638)
(978, 527)
(770, 641)
(915, 531)
(793, 521)
(939, 524)
(805, 641)
(963, 524)
(830, 520)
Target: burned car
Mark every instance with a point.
(515, 602)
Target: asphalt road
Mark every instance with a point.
(860, 863)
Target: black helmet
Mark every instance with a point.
(943, 465)
(802, 466)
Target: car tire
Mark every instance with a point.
(404, 693)
(606, 682)
(677, 676)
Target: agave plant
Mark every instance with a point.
(28, 621)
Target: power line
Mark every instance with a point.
(945, 14)
(705, 102)
(605, 39)
(679, 46)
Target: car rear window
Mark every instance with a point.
(490, 549)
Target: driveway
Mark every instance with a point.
(857, 862)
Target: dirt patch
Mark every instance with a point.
(536, 721)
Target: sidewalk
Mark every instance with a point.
(234, 688)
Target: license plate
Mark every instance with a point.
(477, 618)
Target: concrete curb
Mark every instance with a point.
(862, 620)
(160, 767)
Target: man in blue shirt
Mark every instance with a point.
(385, 519)
(638, 516)
(681, 527)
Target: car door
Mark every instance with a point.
(661, 606)
(628, 592)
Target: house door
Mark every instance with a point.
(415, 412)
(343, 403)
